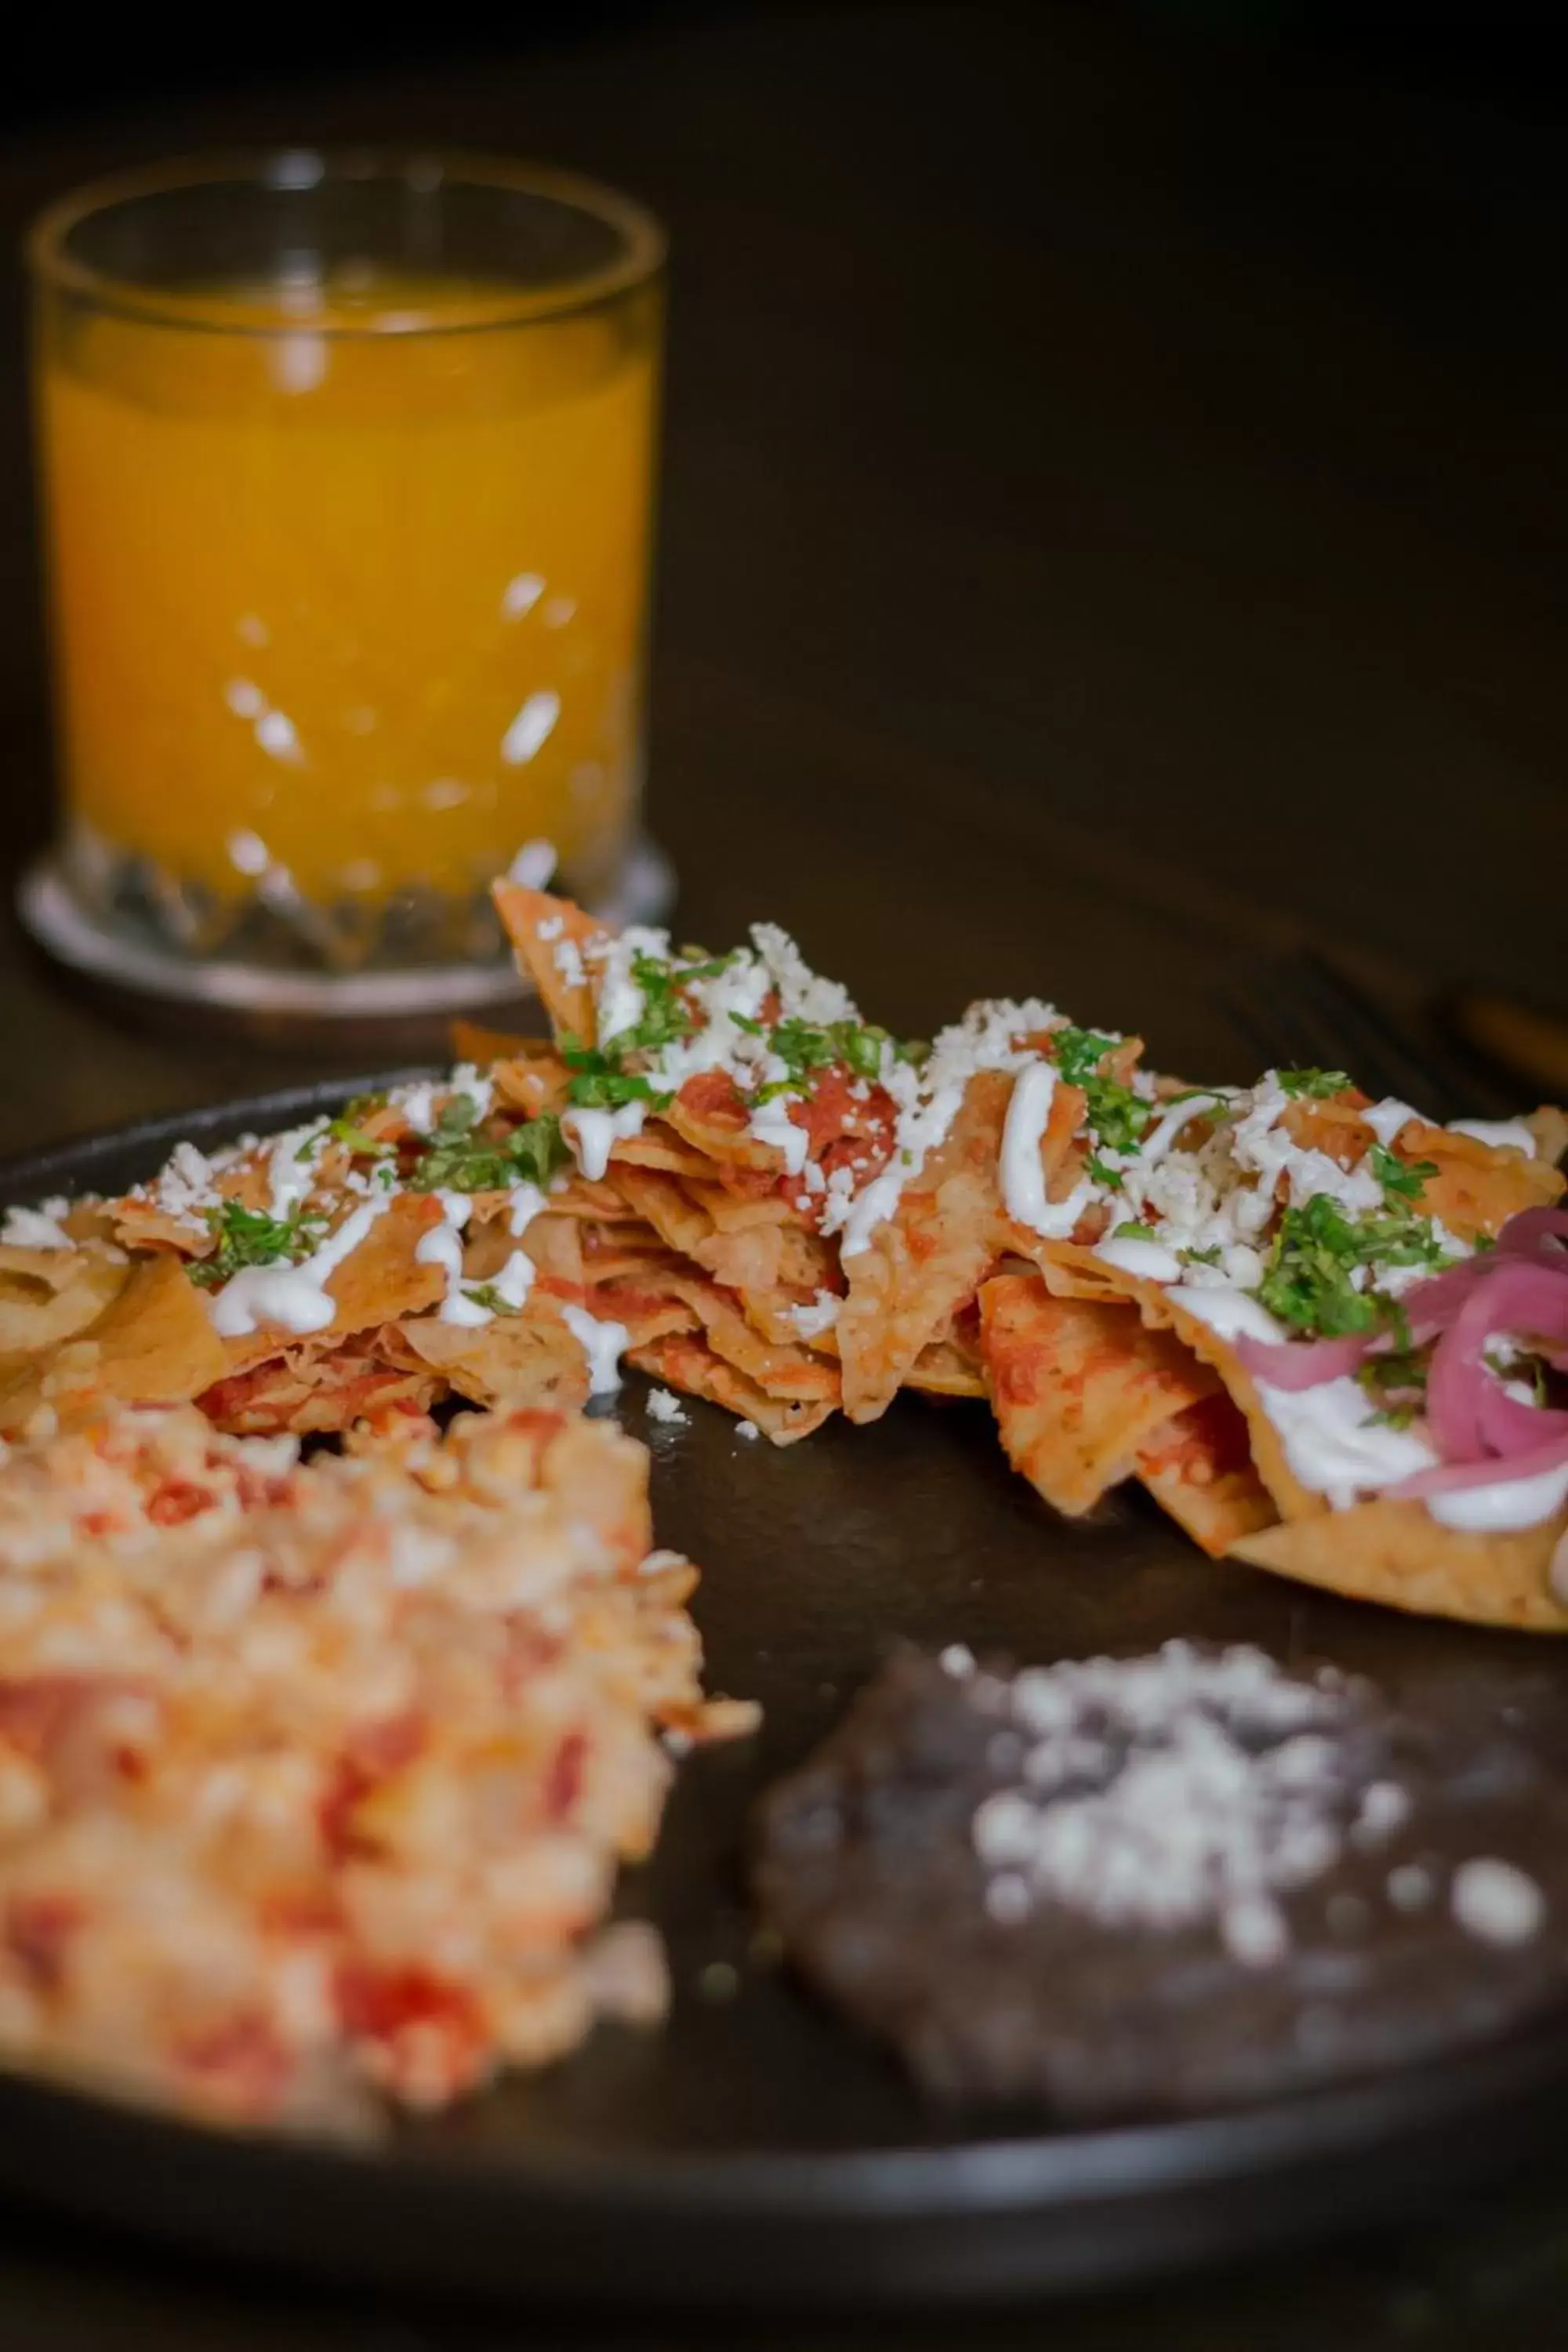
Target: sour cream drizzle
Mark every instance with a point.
(590, 1134)
(443, 1246)
(929, 1100)
(603, 1343)
(291, 1297)
(1024, 1190)
(1386, 1118)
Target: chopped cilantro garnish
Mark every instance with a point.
(601, 1079)
(538, 1149)
(354, 1138)
(1401, 1235)
(459, 1161)
(1117, 1117)
(1080, 1053)
(249, 1237)
(1396, 1382)
(1209, 1256)
(1309, 1280)
(1104, 1174)
(1129, 1230)
(1403, 1180)
(598, 1083)
(1316, 1083)
(805, 1049)
(666, 1018)
(485, 1295)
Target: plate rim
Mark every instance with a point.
(997, 2177)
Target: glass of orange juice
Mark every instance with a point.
(347, 472)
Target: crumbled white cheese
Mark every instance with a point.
(1495, 1902)
(928, 1102)
(37, 1229)
(185, 1187)
(1216, 1786)
(291, 1167)
(816, 1315)
(666, 1407)
(416, 1101)
(1259, 1145)
(747, 1429)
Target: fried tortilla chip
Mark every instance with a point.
(554, 1244)
(155, 1342)
(681, 1222)
(1198, 1469)
(50, 1295)
(528, 1360)
(744, 1261)
(1077, 1387)
(1549, 1125)
(550, 936)
(1066, 1268)
(382, 1278)
(1477, 1186)
(791, 1373)
(472, 1042)
(943, 1369)
(928, 1257)
(657, 1148)
(644, 1314)
(1396, 1553)
(690, 1365)
(311, 1393)
(710, 1114)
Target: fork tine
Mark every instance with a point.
(1299, 1010)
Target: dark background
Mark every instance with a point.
(1114, 515)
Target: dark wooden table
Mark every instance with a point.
(1114, 516)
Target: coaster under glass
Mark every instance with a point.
(272, 971)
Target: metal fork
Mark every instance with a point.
(1299, 1012)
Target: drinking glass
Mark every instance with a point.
(347, 479)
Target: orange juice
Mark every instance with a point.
(348, 582)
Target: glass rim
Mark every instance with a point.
(297, 170)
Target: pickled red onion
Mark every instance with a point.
(1517, 1294)
(1453, 1478)
(1529, 1227)
(1518, 1289)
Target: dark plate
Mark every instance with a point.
(756, 2152)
